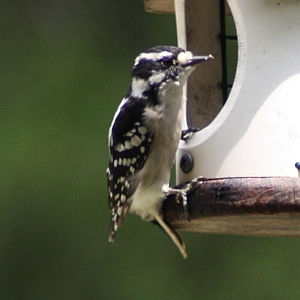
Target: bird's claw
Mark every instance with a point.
(182, 192)
(188, 133)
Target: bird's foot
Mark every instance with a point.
(182, 192)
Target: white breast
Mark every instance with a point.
(166, 122)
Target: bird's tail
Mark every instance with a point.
(172, 233)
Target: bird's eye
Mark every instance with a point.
(168, 63)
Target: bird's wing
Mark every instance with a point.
(129, 143)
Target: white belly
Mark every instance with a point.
(166, 124)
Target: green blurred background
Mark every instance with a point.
(65, 65)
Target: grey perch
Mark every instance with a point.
(260, 206)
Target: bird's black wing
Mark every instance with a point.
(129, 143)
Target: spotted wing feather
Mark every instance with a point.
(129, 143)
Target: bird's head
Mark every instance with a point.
(162, 64)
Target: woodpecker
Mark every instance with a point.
(144, 136)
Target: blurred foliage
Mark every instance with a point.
(65, 65)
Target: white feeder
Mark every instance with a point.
(248, 151)
(257, 132)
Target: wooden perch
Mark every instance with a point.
(262, 206)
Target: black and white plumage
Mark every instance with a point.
(144, 136)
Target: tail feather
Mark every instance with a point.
(172, 233)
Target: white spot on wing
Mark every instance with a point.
(127, 184)
(142, 130)
(135, 141)
(128, 145)
(120, 147)
(119, 211)
(129, 133)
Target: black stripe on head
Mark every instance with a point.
(150, 61)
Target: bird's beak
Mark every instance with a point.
(198, 59)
